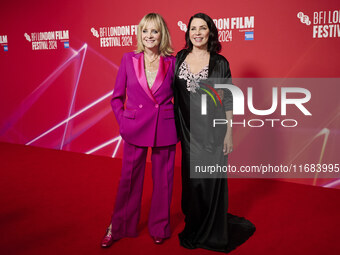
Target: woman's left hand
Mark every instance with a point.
(228, 143)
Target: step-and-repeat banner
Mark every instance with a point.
(59, 61)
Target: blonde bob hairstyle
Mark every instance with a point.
(165, 48)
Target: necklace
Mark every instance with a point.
(150, 61)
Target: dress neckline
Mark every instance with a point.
(195, 74)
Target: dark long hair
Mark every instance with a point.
(214, 46)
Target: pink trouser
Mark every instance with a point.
(128, 201)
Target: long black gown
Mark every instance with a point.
(205, 200)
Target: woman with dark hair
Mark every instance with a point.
(205, 195)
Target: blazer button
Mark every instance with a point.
(156, 105)
(140, 106)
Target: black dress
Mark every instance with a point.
(205, 200)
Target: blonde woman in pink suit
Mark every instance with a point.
(144, 84)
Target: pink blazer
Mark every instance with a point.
(148, 117)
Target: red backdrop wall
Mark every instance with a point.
(59, 97)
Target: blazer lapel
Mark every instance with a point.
(212, 63)
(138, 64)
(164, 64)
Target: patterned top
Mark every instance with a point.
(150, 77)
(192, 79)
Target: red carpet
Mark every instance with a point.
(56, 202)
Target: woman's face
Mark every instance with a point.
(151, 36)
(199, 33)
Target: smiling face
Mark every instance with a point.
(151, 35)
(199, 33)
